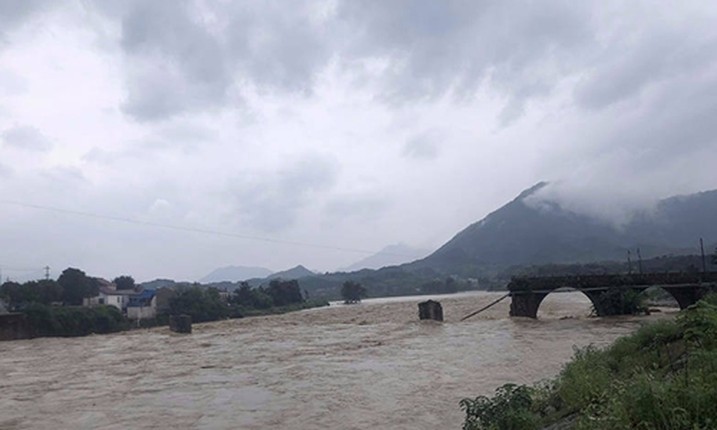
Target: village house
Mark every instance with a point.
(136, 304)
(110, 296)
(142, 305)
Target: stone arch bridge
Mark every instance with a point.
(528, 292)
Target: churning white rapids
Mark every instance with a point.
(367, 366)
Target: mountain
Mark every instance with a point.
(157, 284)
(235, 274)
(391, 255)
(528, 231)
(297, 272)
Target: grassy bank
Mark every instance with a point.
(664, 376)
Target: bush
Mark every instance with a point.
(664, 376)
(509, 409)
(73, 321)
(617, 301)
(201, 304)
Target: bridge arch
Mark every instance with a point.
(527, 303)
(564, 302)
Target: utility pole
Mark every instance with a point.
(47, 273)
(629, 262)
(704, 262)
(639, 261)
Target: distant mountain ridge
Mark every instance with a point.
(521, 233)
(527, 233)
(235, 274)
(297, 272)
(391, 255)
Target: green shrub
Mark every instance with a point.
(618, 301)
(584, 380)
(73, 320)
(509, 409)
(662, 377)
(699, 323)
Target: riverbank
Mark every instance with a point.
(40, 321)
(664, 376)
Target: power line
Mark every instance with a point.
(197, 230)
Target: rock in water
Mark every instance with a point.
(430, 310)
(180, 323)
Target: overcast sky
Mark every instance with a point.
(345, 124)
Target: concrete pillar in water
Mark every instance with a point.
(180, 323)
(430, 310)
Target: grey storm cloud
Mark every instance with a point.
(187, 56)
(26, 138)
(179, 63)
(14, 13)
(630, 65)
(185, 63)
(455, 46)
(278, 46)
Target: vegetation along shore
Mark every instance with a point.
(78, 305)
(662, 377)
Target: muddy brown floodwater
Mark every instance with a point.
(367, 366)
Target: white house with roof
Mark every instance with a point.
(112, 297)
(137, 304)
(142, 305)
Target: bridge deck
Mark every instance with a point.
(586, 282)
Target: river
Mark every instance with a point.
(367, 366)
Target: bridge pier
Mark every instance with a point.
(526, 304)
(686, 296)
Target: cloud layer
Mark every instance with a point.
(335, 123)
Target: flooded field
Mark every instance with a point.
(368, 366)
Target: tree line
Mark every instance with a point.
(207, 304)
(69, 289)
(54, 307)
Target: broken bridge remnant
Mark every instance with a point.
(180, 323)
(430, 310)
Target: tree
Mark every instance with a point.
(249, 297)
(20, 295)
(352, 292)
(243, 295)
(200, 304)
(124, 282)
(284, 292)
(76, 286)
(12, 293)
